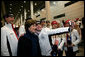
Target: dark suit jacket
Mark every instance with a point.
(28, 45)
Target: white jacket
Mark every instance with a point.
(8, 33)
(75, 40)
(44, 39)
(21, 30)
(60, 40)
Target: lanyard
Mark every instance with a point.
(69, 38)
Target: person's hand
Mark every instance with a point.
(21, 35)
(72, 45)
(65, 44)
(59, 49)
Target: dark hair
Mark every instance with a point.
(47, 21)
(42, 21)
(83, 21)
(29, 23)
(28, 18)
(63, 22)
(8, 15)
(38, 22)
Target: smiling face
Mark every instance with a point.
(54, 26)
(39, 27)
(43, 23)
(10, 20)
(67, 25)
(32, 28)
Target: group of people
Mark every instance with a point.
(38, 39)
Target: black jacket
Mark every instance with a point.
(28, 45)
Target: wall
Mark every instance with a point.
(75, 10)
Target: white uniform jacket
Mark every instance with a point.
(60, 41)
(9, 41)
(44, 39)
(21, 30)
(75, 40)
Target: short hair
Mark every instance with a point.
(42, 21)
(8, 15)
(83, 21)
(47, 21)
(38, 22)
(28, 18)
(29, 23)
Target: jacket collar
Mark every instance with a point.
(28, 34)
(8, 25)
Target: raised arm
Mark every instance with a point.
(58, 30)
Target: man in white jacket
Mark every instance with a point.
(44, 39)
(9, 38)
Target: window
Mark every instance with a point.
(59, 16)
(70, 3)
(38, 15)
